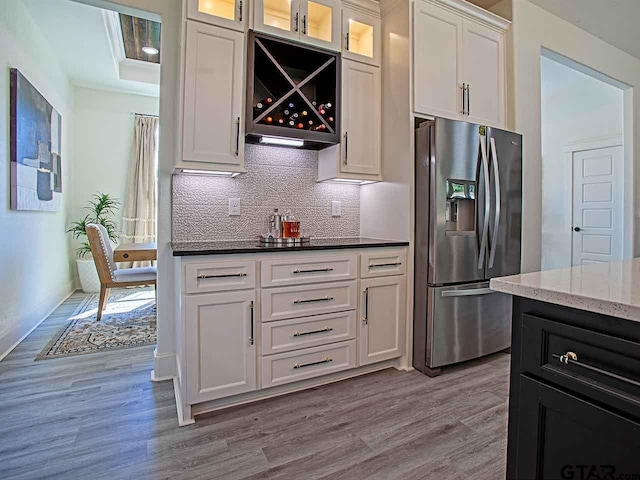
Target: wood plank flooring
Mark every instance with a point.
(99, 416)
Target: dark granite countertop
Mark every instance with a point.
(181, 249)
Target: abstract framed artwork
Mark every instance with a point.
(35, 148)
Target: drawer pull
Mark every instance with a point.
(375, 265)
(228, 275)
(315, 270)
(312, 300)
(301, 334)
(570, 358)
(324, 360)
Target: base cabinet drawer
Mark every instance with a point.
(220, 276)
(308, 363)
(302, 301)
(298, 333)
(383, 263)
(316, 269)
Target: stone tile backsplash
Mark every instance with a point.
(276, 178)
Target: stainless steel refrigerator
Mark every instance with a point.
(468, 225)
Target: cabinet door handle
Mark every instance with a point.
(237, 136)
(297, 17)
(366, 306)
(226, 275)
(346, 43)
(468, 99)
(315, 270)
(346, 148)
(312, 300)
(323, 330)
(304, 24)
(463, 89)
(251, 337)
(571, 358)
(240, 11)
(394, 264)
(324, 360)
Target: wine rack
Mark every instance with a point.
(293, 91)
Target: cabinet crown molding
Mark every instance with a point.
(370, 7)
(474, 12)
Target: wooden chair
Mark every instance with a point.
(110, 276)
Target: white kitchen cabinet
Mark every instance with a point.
(381, 334)
(213, 133)
(224, 13)
(362, 40)
(221, 345)
(483, 67)
(458, 62)
(358, 154)
(316, 22)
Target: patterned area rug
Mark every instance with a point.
(128, 321)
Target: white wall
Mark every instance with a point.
(35, 261)
(533, 30)
(102, 144)
(575, 107)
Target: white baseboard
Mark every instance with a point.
(164, 366)
(184, 411)
(12, 338)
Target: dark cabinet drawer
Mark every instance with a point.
(600, 366)
(563, 436)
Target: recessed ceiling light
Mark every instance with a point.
(150, 50)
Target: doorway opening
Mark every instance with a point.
(583, 165)
(111, 62)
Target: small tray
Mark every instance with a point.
(283, 242)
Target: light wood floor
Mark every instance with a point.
(98, 416)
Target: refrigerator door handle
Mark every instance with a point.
(496, 224)
(487, 203)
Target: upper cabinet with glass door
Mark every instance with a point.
(361, 36)
(316, 22)
(224, 13)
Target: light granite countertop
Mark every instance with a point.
(604, 288)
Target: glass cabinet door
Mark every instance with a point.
(320, 23)
(278, 17)
(225, 13)
(361, 34)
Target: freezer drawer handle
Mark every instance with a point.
(324, 360)
(323, 330)
(311, 300)
(571, 358)
(467, 293)
(394, 264)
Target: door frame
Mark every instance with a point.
(570, 149)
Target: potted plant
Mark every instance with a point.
(101, 209)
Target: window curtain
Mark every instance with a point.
(139, 220)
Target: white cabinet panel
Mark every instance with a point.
(301, 301)
(484, 74)
(361, 118)
(220, 346)
(311, 269)
(220, 276)
(225, 13)
(213, 134)
(381, 334)
(287, 335)
(437, 63)
(308, 363)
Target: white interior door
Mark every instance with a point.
(598, 195)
